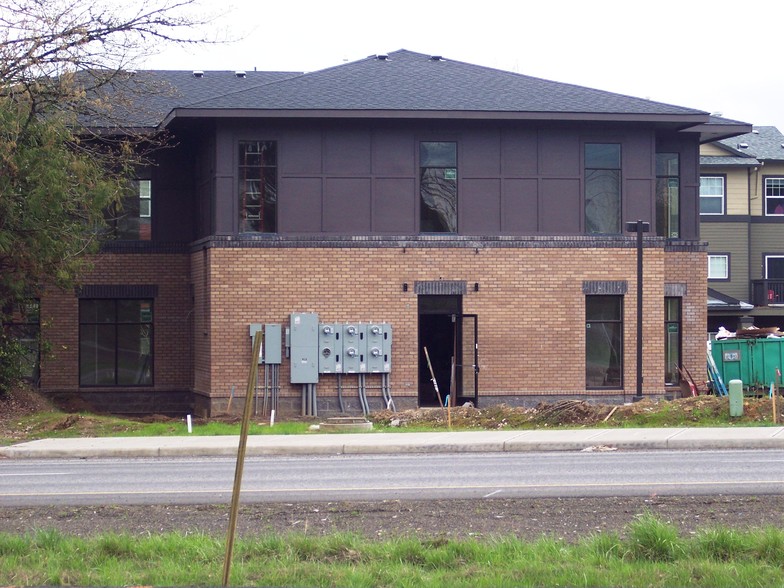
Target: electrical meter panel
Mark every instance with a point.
(304, 348)
(379, 348)
(330, 348)
(353, 343)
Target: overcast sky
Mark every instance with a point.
(718, 56)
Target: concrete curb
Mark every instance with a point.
(396, 443)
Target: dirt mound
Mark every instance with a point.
(647, 412)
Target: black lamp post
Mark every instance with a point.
(639, 227)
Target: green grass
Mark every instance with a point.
(649, 553)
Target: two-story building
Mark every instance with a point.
(475, 213)
(741, 216)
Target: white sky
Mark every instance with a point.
(718, 56)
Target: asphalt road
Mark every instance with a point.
(388, 477)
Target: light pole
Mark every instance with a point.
(639, 227)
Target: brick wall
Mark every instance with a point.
(530, 305)
(173, 312)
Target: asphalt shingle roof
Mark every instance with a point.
(408, 81)
(763, 143)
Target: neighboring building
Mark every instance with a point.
(741, 218)
(478, 212)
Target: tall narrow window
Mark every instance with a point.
(115, 342)
(711, 195)
(258, 187)
(774, 196)
(667, 195)
(672, 340)
(603, 188)
(604, 341)
(438, 187)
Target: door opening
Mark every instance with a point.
(450, 338)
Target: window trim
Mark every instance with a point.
(723, 178)
(147, 198)
(727, 256)
(765, 192)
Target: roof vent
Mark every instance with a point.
(197, 73)
(240, 74)
(743, 145)
(755, 131)
(382, 57)
(436, 58)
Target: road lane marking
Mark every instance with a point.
(39, 474)
(489, 495)
(778, 483)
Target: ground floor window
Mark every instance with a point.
(672, 340)
(115, 342)
(604, 341)
(23, 324)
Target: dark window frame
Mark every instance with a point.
(664, 206)
(723, 178)
(125, 220)
(672, 378)
(263, 169)
(148, 366)
(616, 380)
(22, 322)
(596, 175)
(429, 215)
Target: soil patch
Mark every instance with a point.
(562, 518)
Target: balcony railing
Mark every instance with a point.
(767, 292)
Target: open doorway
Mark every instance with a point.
(450, 339)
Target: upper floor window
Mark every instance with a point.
(603, 188)
(719, 267)
(131, 219)
(667, 195)
(711, 195)
(774, 196)
(438, 187)
(258, 187)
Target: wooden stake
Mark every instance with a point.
(235, 495)
(433, 379)
(775, 394)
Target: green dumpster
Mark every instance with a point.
(753, 361)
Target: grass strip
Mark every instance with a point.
(648, 553)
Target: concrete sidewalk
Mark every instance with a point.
(392, 443)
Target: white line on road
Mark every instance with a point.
(489, 495)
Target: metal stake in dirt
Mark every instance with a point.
(235, 496)
(433, 378)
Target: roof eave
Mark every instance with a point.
(710, 132)
(686, 121)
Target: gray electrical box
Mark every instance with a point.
(304, 348)
(375, 348)
(330, 348)
(272, 344)
(351, 348)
